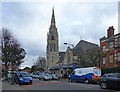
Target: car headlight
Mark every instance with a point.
(21, 79)
(30, 78)
(45, 77)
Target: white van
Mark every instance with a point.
(89, 74)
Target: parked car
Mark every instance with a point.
(47, 77)
(41, 74)
(36, 73)
(36, 76)
(88, 74)
(32, 75)
(54, 77)
(22, 78)
(110, 80)
(9, 75)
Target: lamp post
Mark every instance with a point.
(69, 44)
(73, 56)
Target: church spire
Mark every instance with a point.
(53, 19)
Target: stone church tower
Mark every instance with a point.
(52, 44)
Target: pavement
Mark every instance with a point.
(6, 85)
(63, 84)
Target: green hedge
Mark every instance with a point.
(111, 70)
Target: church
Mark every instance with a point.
(61, 63)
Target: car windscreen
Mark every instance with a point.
(24, 75)
(47, 75)
(54, 75)
(118, 75)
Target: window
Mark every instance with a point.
(103, 61)
(73, 73)
(52, 59)
(50, 47)
(68, 60)
(110, 58)
(113, 75)
(110, 45)
(54, 48)
(118, 41)
(118, 75)
(104, 75)
(118, 56)
(52, 37)
(104, 48)
(61, 72)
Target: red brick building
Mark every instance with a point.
(10, 67)
(111, 45)
(27, 69)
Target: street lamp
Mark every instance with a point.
(73, 56)
(69, 44)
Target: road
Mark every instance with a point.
(61, 85)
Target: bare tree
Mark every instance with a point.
(81, 60)
(41, 63)
(94, 57)
(12, 53)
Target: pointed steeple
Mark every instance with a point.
(53, 19)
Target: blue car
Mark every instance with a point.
(22, 78)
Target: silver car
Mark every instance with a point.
(47, 77)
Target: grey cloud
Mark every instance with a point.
(30, 23)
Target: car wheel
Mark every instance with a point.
(44, 79)
(39, 78)
(19, 82)
(86, 81)
(70, 80)
(103, 85)
(30, 82)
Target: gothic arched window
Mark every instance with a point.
(54, 47)
(52, 37)
(52, 59)
(68, 59)
(50, 47)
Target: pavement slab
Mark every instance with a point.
(6, 85)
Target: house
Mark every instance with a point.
(68, 59)
(27, 69)
(15, 67)
(81, 49)
(111, 46)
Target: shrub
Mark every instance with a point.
(110, 70)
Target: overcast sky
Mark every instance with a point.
(30, 21)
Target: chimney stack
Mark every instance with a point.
(110, 32)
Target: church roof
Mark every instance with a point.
(54, 68)
(61, 56)
(83, 46)
(53, 19)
